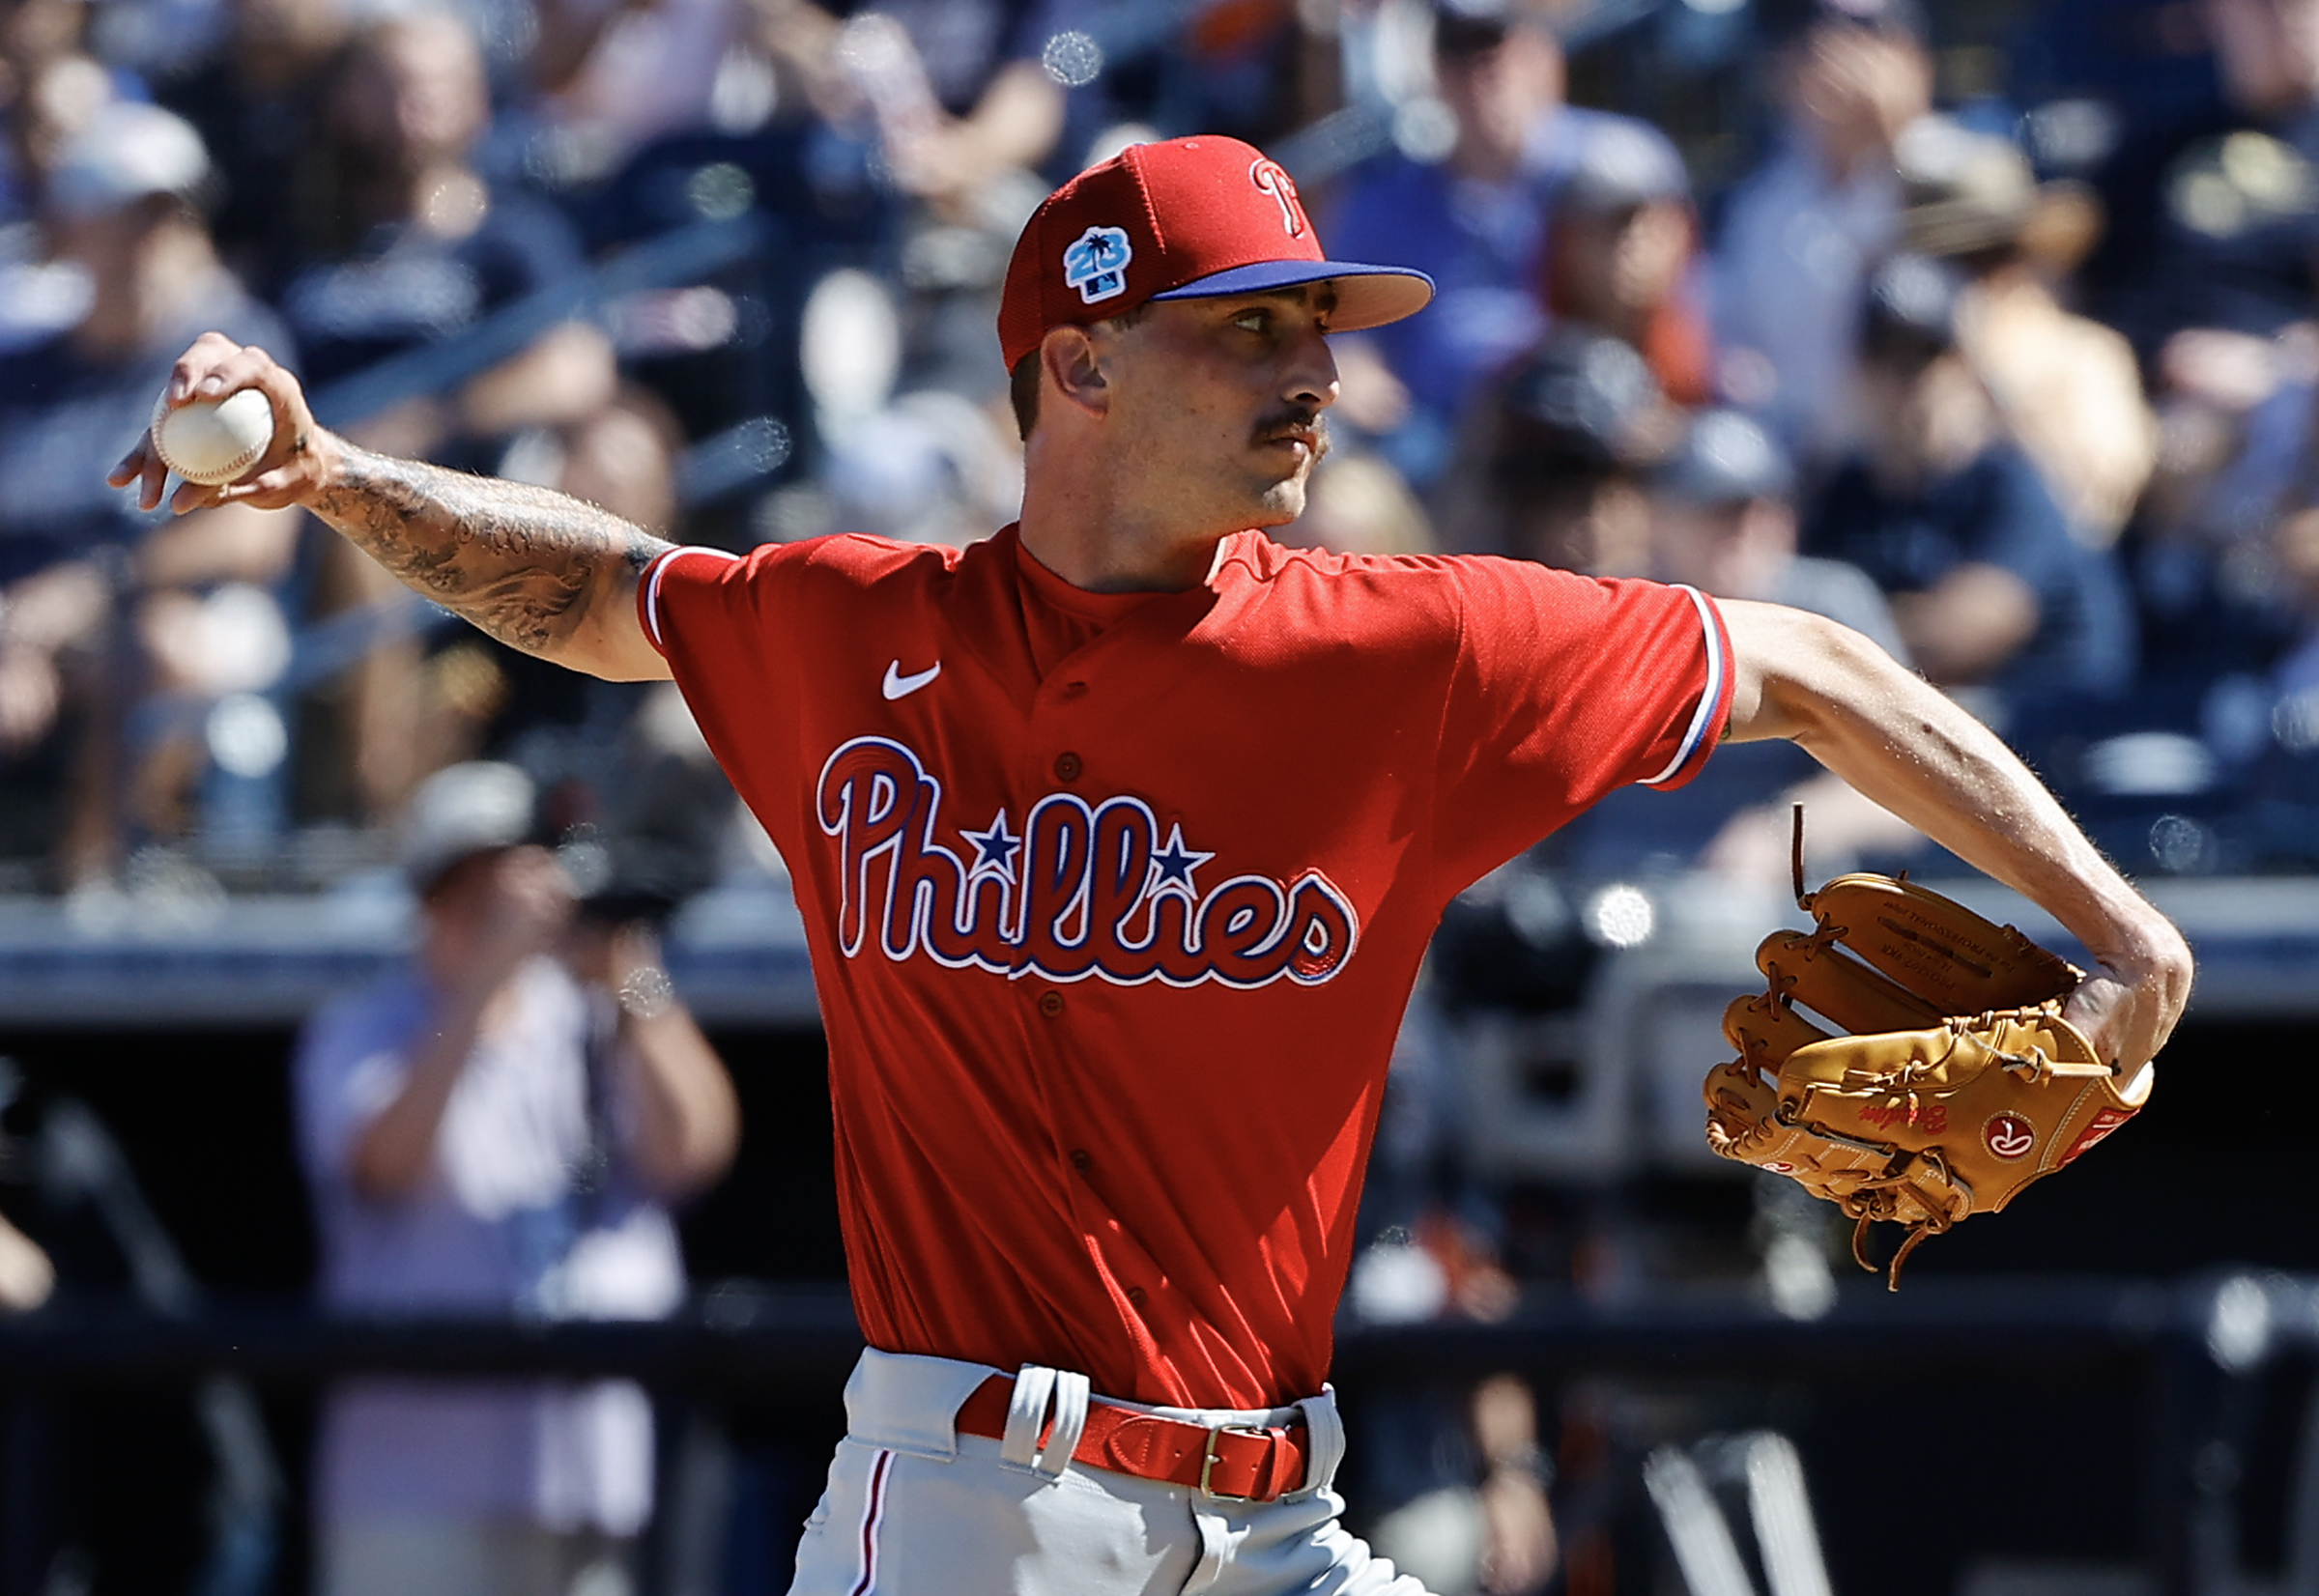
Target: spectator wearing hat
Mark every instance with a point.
(1618, 255)
(1474, 219)
(1801, 234)
(1555, 455)
(95, 608)
(498, 1130)
(1724, 521)
(2068, 387)
(1941, 506)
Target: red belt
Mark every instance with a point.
(1225, 1461)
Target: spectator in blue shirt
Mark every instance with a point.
(1474, 220)
(1943, 509)
(1724, 521)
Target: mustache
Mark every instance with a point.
(1297, 422)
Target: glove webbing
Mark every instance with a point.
(1861, 1204)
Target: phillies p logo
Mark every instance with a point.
(1273, 179)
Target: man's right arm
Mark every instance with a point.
(537, 570)
(1903, 745)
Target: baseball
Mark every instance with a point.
(214, 441)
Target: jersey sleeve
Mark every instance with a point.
(1567, 688)
(728, 626)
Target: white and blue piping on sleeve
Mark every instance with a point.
(653, 573)
(1710, 696)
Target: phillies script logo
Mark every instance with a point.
(1079, 891)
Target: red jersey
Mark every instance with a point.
(1115, 902)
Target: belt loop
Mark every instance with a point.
(1026, 1416)
(1072, 1389)
(1325, 1438)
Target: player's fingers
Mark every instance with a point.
(230, 373)
(2088, 1010)
(153, 478)
(192, 495)
(269, 490)
(194, 367)
(213, 367)
(141, 466)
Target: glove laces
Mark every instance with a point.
(1878, 1199)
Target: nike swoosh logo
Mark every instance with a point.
(898, 686)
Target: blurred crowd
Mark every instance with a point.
(1989, 330)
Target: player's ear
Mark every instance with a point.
(1073, 370)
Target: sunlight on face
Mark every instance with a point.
(1217, 403)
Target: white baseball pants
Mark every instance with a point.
(915, 1509)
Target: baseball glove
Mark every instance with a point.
(1950, 1081)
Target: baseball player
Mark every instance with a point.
(1118, 839)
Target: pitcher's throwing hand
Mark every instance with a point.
(295, 463)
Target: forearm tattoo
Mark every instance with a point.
(525, 564)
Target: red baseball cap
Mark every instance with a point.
(1191, 218)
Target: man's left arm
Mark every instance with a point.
(1905, 746)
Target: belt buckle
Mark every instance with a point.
(1209, 1459)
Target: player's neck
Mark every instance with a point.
(1103, 563)
(1077, 524)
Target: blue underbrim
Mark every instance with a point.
(1367, 296)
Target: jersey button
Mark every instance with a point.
(1081, 1160)
(1068, 767)
(1075, 690)
(1050, 1004)
(1136, 1295)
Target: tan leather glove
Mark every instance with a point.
(1944, 1079)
